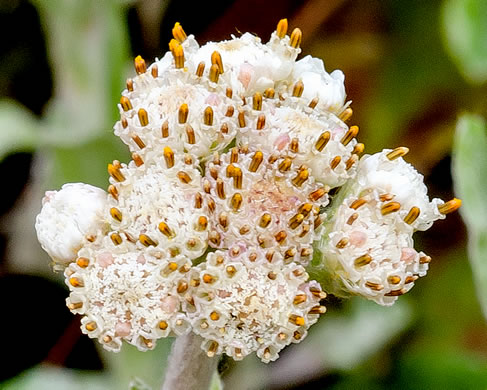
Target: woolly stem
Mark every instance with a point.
(189, 367)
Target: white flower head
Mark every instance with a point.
(157, 205)
(240, 307)
(368, 248)
(69, 217)
(258, 200)
(127, 296)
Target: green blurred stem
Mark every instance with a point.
(188, 365)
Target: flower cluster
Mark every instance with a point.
(210, 227)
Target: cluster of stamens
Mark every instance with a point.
(235, 146)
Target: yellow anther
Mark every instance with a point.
(200, 69)
(130, 85)
(229, 92)
(124, 123)
(317, 292)
(425, 259)
(91, 326)
(313, 103)
(183, 113)
(305, 208)
(297, 320)
(208, 116)
(172, 45)
(265, 220)
(214, 238)
(165, 129)
(257, 101)
(390, 207)
(352, 218)
(220, 188)
(168, 156)
(75, 305)
(140, 66)
(241, 119)
(412, 215)
(182, 287)
(296, 37)
(234, 157)
(362, 260)
(146, 240)
(125, 103)
(178, 54)
(349, 135)
(138, 141)
(358, 149)
(184, 177)
(290, 253)
(198, 201)
(272, 275)
(450, 206)
(230, 111)
(116, 214)
(178, 33)
(214, 316)
(137, 159)
(295, 221)
(113, 191)
(236, 201)
(317, 310)
(237, 178)
(285, 164)
(401, 151)
(269, 93)
(190, 136)
(116, 238)
(212, 349)
(202, 223)
(223, 220)
(301, 177)
(298, 89)
(322, 140)
(281, 29)
(352, 160)
(207, 278)
(317, 194)
(300, 298)
(294, 145)
(280, 237)
(154, 71)
(143, 117)
(216, 59)
(346, 114)
(411, 279)
(394, 279)
(342, 243)
(163, 325)
(305, 252)
(165, 229)
(256, 161)
(82, 262)
(374, 286)
(358, 203)
(214, 73)
(260, 122)
(76, 282)
(396, 293)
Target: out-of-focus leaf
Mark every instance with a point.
(87, 43)
(130, 364)
(53, 378)
(18, 129)
(442, 369)
(216, 382)
(465, 30)
(470, 176)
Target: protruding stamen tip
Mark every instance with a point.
(349, 135)
(346, 114)
(168, 156)
(401, 151)
(281, 29)
(296, 37)
(390, 207)
(214, 73)
(216, 59)
(140, 66)
(412, 215)
(146, 240)
(450, 206)
(183, 113)
(178, 33)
